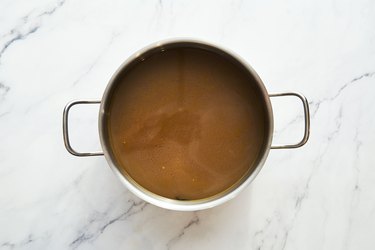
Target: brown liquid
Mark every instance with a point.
(186, 123)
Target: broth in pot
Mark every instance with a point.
(186, 123)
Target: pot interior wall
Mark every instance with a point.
(138, 58)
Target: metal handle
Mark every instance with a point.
(307, 120)
(66, 131)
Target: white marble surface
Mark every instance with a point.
(318, 197)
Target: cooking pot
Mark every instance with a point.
(137, 189)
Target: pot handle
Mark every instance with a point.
(307, 121)
(66, 131)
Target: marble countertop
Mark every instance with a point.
(320, 196)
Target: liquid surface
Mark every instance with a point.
(186, 123)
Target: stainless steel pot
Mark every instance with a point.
(135, 187)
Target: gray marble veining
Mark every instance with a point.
(316, 197)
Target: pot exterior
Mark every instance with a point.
(135, 187)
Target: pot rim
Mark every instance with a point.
(157, 199)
